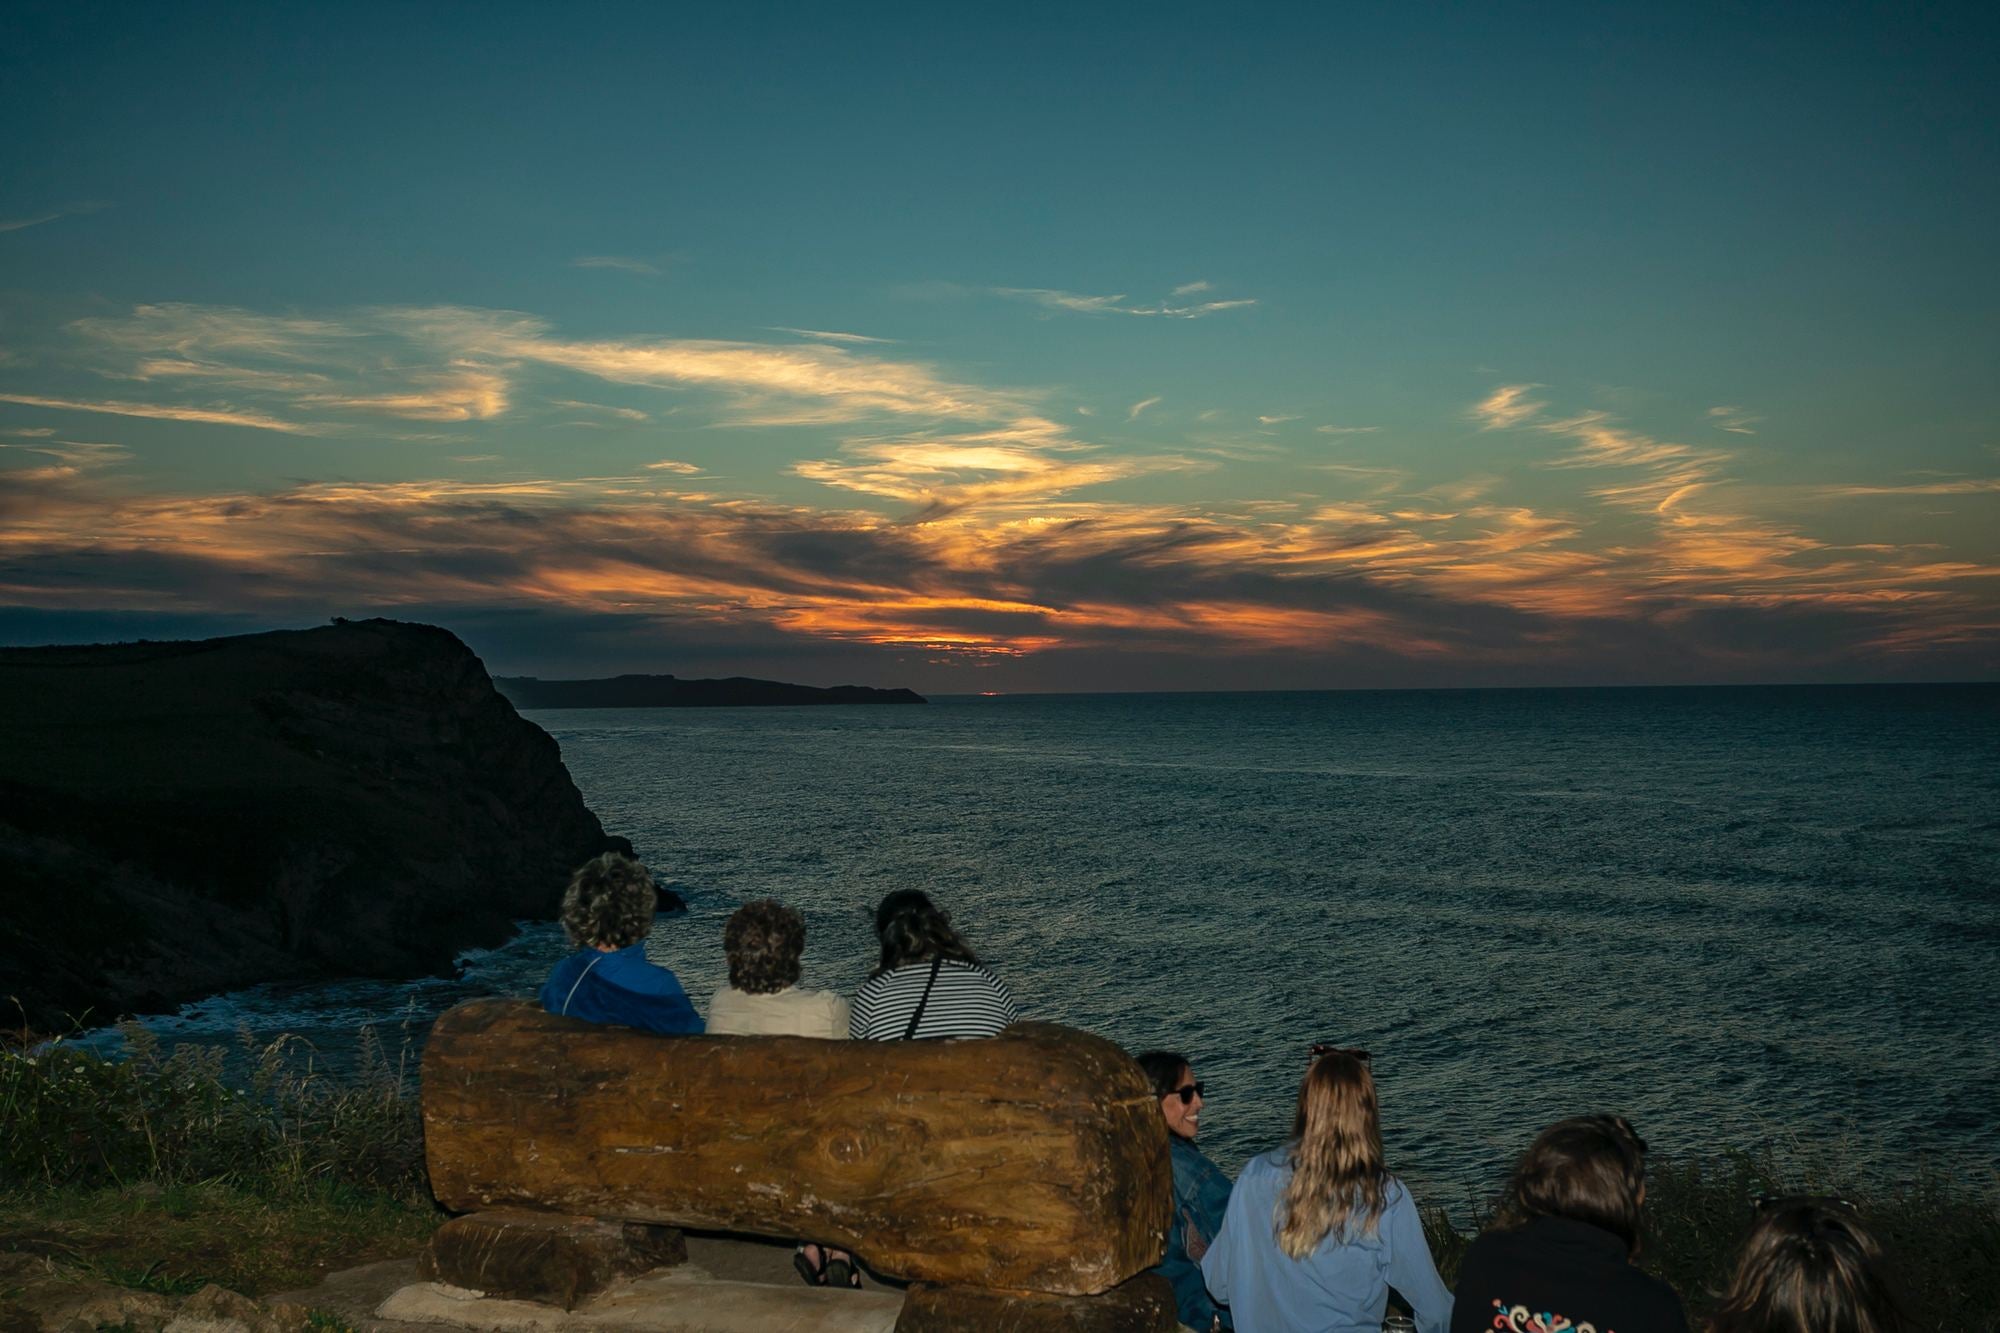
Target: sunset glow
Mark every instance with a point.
(1404, 417)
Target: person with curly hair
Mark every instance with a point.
(606, 913)
(1563, 1242)
(765, 941)
(1317, 1231)
(1808, 1265)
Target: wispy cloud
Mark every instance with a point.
(1507, 406)
(1190, 288)
(624, 263)
(1078, 303)
(22, 224)
(219, 333)
(1347, 430)
(1960, 486)
(463, 392)
(1733, 419)
(673, 465)
(211, 416)
(1132, 412)
(71, 460)
(1704, 544)
(827, 335)
(52, 215)
(622, 413)
(1028, 460)
(451, 363)
(1277, 419)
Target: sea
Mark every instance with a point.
(1747, 918)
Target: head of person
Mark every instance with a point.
(1338, 1180)
(1174, 1084)
(609, 903)
(764, 941)
(1807, 1266)
(912, 929)
(1589, 1168)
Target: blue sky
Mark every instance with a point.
(1149, 347)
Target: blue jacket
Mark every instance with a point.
(1201, 1194)
(1341, 1287)
(619, 987)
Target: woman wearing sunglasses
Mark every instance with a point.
(1563, 1244)
(1807, 1266)
(1318, 1230)
(1201, 1191)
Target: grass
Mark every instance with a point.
(176, 1241)
(1942, 1236)
(169, 1171)
(269, 1121)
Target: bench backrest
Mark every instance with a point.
(1035, 1160)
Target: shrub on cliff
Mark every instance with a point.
(266, 1121)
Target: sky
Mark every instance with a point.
(1014, 348)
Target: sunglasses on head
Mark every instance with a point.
(1766, 1203)
(1188, 1094)
(1354, 1052)
(1620, 1125)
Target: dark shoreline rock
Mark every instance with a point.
(178, 819)
(672, 692)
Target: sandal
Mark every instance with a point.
(813, 1272)
(843, 1273)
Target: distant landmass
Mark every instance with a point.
(672, 692)
(182, 818)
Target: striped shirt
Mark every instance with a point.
(968, 1001)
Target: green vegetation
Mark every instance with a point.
(1942, 1236)
(167, 1172)
(177, 1240)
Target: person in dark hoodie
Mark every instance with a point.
(1560, 1255)
(606, 912)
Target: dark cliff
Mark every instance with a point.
(181, 818)
(672, 692)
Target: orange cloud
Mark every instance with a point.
(215, 416)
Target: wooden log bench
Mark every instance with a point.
(1020, 1182)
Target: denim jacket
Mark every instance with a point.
(1201, 1196)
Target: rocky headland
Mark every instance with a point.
(672, 692)
(182, 818)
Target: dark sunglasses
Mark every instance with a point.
(1187, 1094)
(1766, 1203)
(1320, 1048)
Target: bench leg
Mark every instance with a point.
(546, 1257)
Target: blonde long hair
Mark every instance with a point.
(1338, 1179)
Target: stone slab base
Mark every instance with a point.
(1143, 1305)
(546, 1257)
(675, 1300)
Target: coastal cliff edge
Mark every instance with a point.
(182, 818)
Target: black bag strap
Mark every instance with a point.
(910, 1032)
